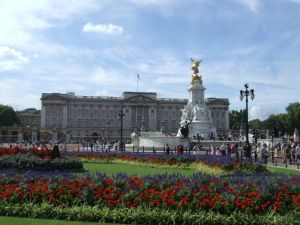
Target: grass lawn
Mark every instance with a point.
(282, 170)
(111, 169)
(28, 221)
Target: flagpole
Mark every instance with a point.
(137, 82)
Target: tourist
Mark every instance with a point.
(195, 149)
(212, 149)
(288, 154)
(264, 153)
(228, 150)
(298, 151)
(294, 152)
(234, 149)
(167, 149)
(190, 148)
(181, 149)
(255, 152)
(223, 149)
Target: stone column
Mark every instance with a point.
(54, 136)
(65, 116)
(34, 135)
(43, 116)
(68, 137)
(20, 136)
(226, 128)
(152, 119)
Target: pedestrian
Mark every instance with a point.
(195, 149)
(228, 150)
(212, 149)
(223, 149)
(298, 151)
(167, 150)
(264, 153)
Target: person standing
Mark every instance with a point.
(168, 150)
(298, 152)
(223, 149)
(195, 149)
(212, 149)
(264, 153)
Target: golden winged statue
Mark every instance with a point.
(195, 65)
(195, 68)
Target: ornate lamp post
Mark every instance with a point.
(107, 125)
(121, 115)
(245, 93)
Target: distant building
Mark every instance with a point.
(27, 131)
(219, 108)
(31, 122)
(67, 117)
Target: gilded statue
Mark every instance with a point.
(195, 65)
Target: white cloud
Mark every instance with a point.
(102, 28)
(11, 59)
(22, 21)
(253, 5)
(152, 2)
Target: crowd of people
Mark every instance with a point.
(289, 152)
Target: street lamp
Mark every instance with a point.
(107, 125)
(121, 115)
(199, 138)
(245, 93)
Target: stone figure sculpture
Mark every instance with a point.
(184, 130)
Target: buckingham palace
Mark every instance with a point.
(69, 117)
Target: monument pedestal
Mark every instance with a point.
(203, 129)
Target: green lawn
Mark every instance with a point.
(111, 169)
(282, 170)
(28, 221)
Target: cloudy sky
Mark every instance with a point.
(97, 47)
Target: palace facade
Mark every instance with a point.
(68, 117)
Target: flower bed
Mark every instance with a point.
(39, 152)
(251, 194)
(211, 160)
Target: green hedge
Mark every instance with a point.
(31, 162)
(139, 216)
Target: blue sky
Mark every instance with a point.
(97, 47)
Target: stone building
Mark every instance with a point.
(68, 117)
(31, 122)
(27, 131)
(219, 108)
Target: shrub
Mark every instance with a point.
(31, 162)
(55, 152)
(141, 216)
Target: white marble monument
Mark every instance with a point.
(196, 113)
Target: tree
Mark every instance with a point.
(256, 124)
(8, 116)
(277, 124)
(236, 119)
(293, 116)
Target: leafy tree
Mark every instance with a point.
(256, 124)
(293, 116)
(8, 116)
(277, 122)
(236, 119)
